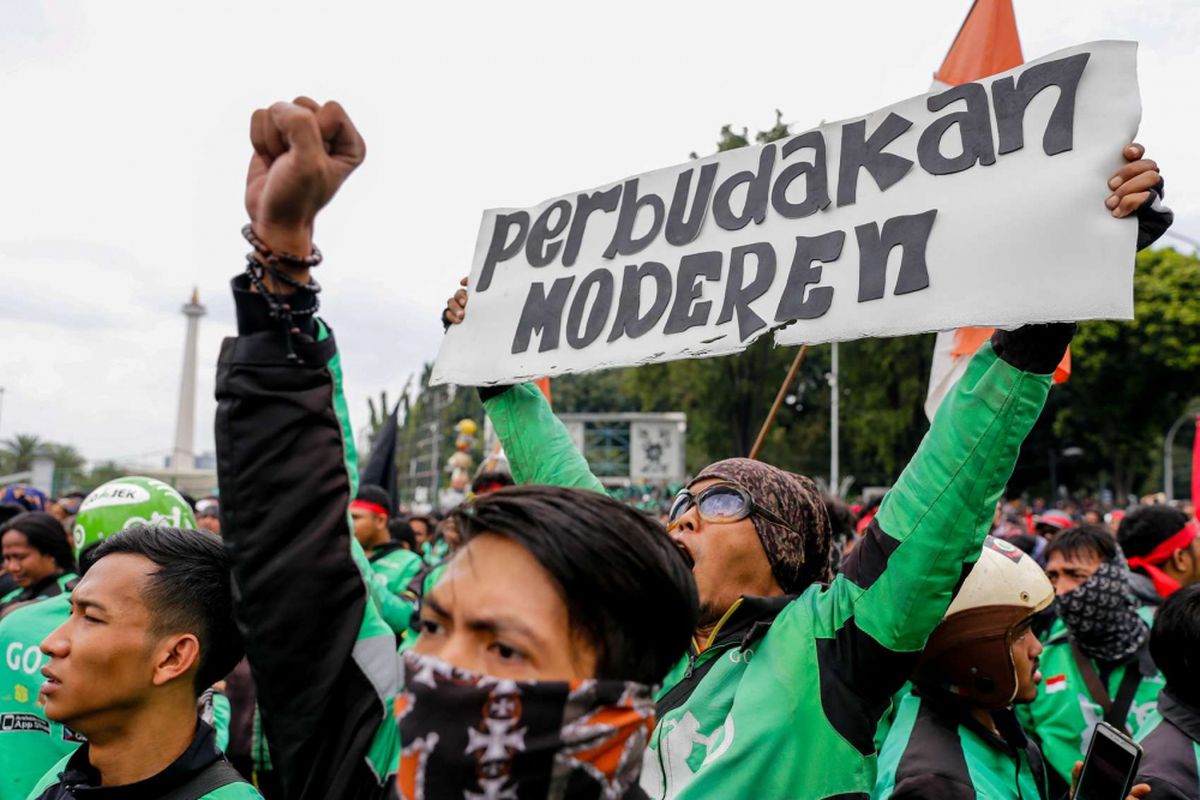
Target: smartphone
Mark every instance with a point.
(1110, 767)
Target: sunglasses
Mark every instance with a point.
(722, 502)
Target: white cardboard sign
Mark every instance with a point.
(982, 204)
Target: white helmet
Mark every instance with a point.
(971, 650)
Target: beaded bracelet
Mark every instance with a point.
(259, 263)
(268, 254)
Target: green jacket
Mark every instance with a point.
(787, 695)
(392, 568)
(30, 744)
(1064, 713)
(937, 751)
(46, 588)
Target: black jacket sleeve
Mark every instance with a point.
(323, 663)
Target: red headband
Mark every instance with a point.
(374, 508)
(1164, 584)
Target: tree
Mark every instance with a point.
(1130, 380)
(18, 452)
(102, 473)
(68, 465)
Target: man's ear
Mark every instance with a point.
(1183, 560)
(174, 657)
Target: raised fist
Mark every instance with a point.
(303, 151)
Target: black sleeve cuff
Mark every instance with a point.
(1153, 217)
(253, 315)
(488, 392)
(1034, 348)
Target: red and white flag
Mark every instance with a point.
(986, 43)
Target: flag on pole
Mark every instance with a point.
(986, 43)
(380, 468)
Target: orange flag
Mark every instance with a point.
(986, 43)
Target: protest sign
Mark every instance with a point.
(982, 204)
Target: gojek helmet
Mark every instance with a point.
(125, 502)
(971, 650)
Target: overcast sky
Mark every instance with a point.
(124, 141)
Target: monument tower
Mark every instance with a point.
(183, 455)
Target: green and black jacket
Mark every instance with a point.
(936, 750)
(784, 701)
(1170, 740)
(323, 659)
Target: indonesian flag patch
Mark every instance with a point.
(1056, 684)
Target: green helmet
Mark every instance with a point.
(129, 501)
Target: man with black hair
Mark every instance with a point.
(31, 744)
(1162, 544)
(402, 534)
(486, 482)
(1097, 661)
(151, 627)
(1170, 739)
(392, 566)
(541, 636)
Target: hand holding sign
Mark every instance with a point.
(456, 306)
(303, 151)
(1132, 184)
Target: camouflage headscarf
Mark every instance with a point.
(797, 559)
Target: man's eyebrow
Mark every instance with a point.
(84, 604)
(501, 624)
(433, 605)
(497, 624)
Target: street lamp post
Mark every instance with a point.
(1169, 456)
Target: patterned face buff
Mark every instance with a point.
(474, 736)
(1101, 614)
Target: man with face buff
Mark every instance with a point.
(788, 677)
(539, 642)
(1097, 662)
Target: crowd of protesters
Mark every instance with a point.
(295, 637)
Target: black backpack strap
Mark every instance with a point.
(1091, 680)
(1130, 681)
(214, 776)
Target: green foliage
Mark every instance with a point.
(882, 416)
(1130, 380)
(100, 474)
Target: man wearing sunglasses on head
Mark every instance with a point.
(791, 668)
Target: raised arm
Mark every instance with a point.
(897, 584)
(537, 444)
(322, 659)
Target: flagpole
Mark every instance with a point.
(835, 479)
